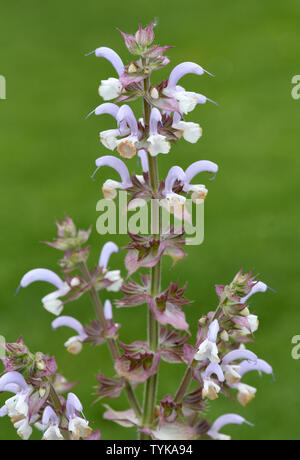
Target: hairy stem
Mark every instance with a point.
(112, 343)
(151, 383)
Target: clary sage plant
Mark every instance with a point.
(217, 360)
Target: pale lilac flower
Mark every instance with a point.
(108, 310)
(210, 388)
(144, 160)
(78, 426)
(51, 302)
(228, 419)
(174, 202)
(260, 365)
(110, 186)
(190, 131)
(109, 137)
(158, 143)
(187, 100)
(73, 344)
(111, 88)
(208, 349)
(127, 146)
(51, 421)
(108, 249)
(232, 371)
(258, 287)
(199, 191)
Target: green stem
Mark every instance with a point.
(112, 343)
(183, 386)
(151, 383)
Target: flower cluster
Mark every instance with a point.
(218, 360)
(38, 399)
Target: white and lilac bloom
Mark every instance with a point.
(78, 426)
(187, 100)
(174, 202)
(228, 419)
(208, 348)
(190, 131)
(253, 324)
(109, 137)
(144, 160)
(73, 344)
(114, 276)
(51, 422)
(110, 186)
(199, 191)
(108, 249)
(258, 287)
(210, 388)
(111, 88)
(16, 407)
(51, 302)
(158, 143)
(260, 365)
(128, 145)
(232, 371)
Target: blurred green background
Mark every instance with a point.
(252, 214)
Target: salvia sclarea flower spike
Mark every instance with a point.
(228, 419)
(187, 100)
(78, 426)
(190, 131)
(51, 302)
(110, 186)
(74, 343)
(157, 142)
(111, 88)
(208, 348)
(112, 275)
(199, 191)
(17, 407)
(50, 424)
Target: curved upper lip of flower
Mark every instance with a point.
(175, 173)
(213, 331)
(111, 56)
(213, 368)
(118, 165)
(126, 114)
(197, 168)
(239, 354)
(73, 405)
(107, 108)
(49, 416)
(42, 274)
(155, 118)
(108, 249)
(71, 322)
(13, 378)
(227, 419)
(182, 69)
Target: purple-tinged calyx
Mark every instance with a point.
(228, 419)
(73, 344)
(110, 186)
(51, 302)
(108, 249)
(157, 142)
